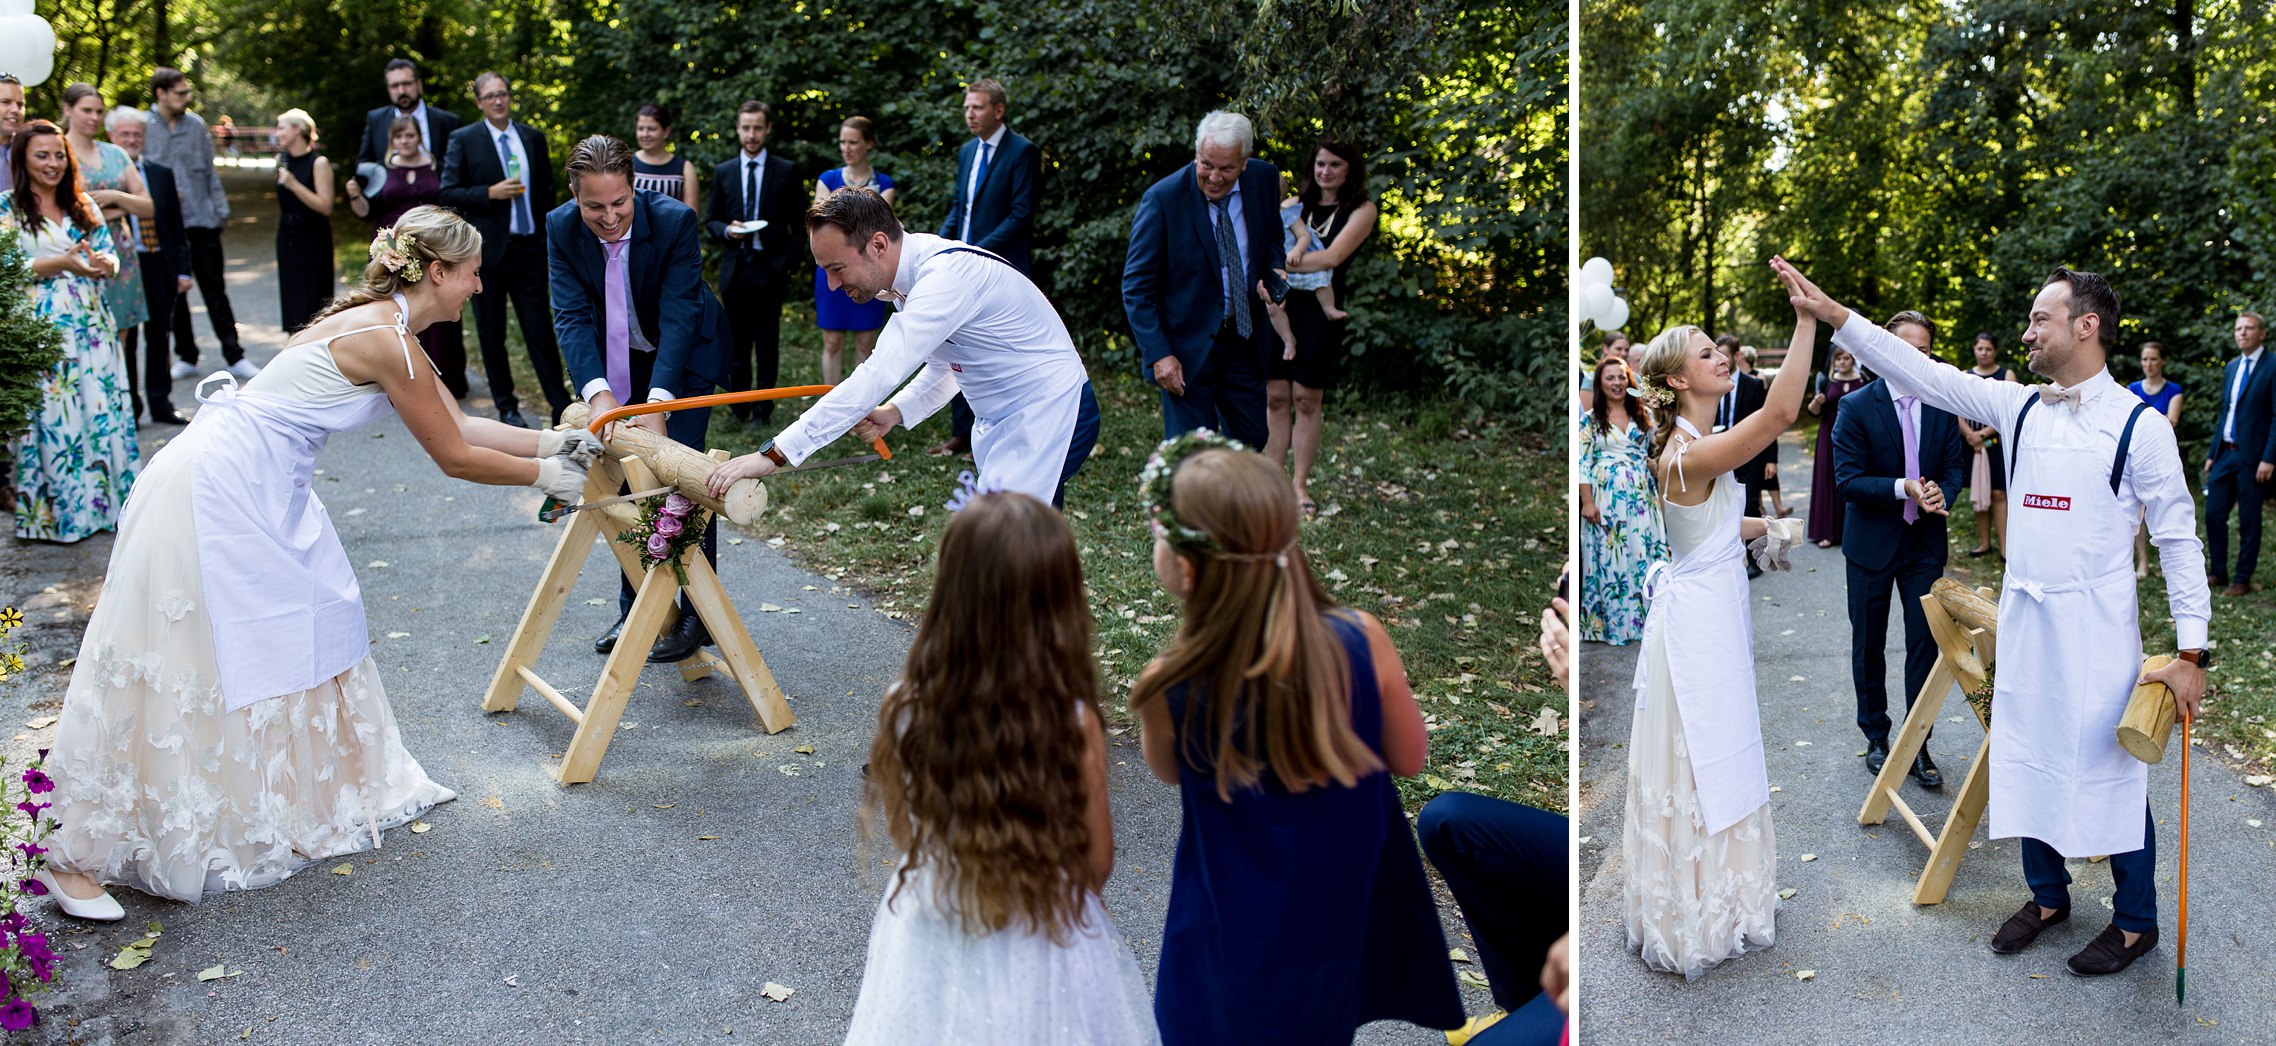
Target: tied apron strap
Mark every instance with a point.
(228, 392)
(2039, 591)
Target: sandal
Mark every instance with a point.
(1309, 507)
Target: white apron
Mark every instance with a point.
(2070, 648)
(1700, 607)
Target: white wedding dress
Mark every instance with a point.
(166, 783)
(1702, 871)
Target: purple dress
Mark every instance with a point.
(1825, 496)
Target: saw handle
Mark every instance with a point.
(720, 399)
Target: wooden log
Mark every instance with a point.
(2150, 715)
(1967, 607)
(676, 465)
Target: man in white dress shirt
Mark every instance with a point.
(964, 320)
(2080, 476)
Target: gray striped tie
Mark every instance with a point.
(1229, 249)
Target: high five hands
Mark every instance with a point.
(1805, 296)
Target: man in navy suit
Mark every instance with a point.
(1203, 247)
(992, 206)
(754, 268)
(498, 175)
(163, 247)
(635, 321)
(1893, 460)
(2242, 458)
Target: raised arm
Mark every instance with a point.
(1720, 452)
(1905, 368)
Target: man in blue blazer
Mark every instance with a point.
(1894, 461)
(635, 321)
(1203, 247)
(992, 206)
(2242, 458)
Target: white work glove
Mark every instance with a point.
(576, 445)
(561, 478)
(1779, 535)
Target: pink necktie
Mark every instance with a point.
(1912, 452)
(613, 305)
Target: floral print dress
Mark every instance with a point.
(122, 292)
(1615, 553)
(73, 467)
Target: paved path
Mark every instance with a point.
(1888, 971)
(533, 913)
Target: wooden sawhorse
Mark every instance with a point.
(651, 613)
(1966, 626)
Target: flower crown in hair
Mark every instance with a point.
(1659, 394)
(398, 254)
(1154, 488)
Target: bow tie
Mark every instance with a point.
(2057, 394)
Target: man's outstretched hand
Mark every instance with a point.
(1806, 297)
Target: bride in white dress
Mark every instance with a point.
(225, 725)
(1701, 862)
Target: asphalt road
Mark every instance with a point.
(533, 913)
(1887, 971)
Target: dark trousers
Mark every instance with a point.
(2134, 907)
(960, 418)
(1508, 866)
(148, 368)
(754, 311)
(1079, 448)
(1912, 570)
(206, 268)
(1225, 394)
(689, 428)
(520, 277)
(446, 348)
(2230, 484)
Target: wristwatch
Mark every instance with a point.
(781, 460)
(2202, 657)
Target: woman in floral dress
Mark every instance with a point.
(1621, 533)
(73, 466)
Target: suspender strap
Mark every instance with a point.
(2125, 444)
(972, 250)
(2015, 436)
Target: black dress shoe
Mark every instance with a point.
(683, 640)
(1753, 571)
(1876, 754)
(2108, 953)
(1924, 770)
(165, 414)
(2025, 926)
(513, 416)
(607, 642)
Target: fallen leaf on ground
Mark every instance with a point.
(1546, 723)
(2038, 976)
(135, 954)
(513, 980)
(421, 828)
(1458, 955)
(1809, 857)
(707, 837)
(1805, 975)
(788, 769)
(809, 750)
(42, 722)
(210, 973)
(2253, 821)
(1787, 893)
(494, 803)
(665, 806)
(775, 991)
(377, 563)
(769, 608)
(399, 635)
(2259, 780)
(483, 638)
(693, 702)
(344, 869)
(596, 602)
(1471, 978)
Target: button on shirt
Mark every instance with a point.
(972, 323)
(639, 341)
(991, 149)
(2236, 393)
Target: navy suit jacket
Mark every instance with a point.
(1868, 459)
(1171, 290)
(2255, 435)
(471, 166)
(173, 240)
(441, 124)
(1003, 211)
(675, 311)
(766, 258)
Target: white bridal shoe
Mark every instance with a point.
(99, 908)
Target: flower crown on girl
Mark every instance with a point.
(1154, 489)
(397, 254)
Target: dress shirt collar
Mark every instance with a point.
(748, 159)
(496, 130)
(995, 142)
(2253, 357)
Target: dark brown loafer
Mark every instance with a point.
(2024, 927)
(2108, 953)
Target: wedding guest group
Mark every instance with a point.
(498, 172)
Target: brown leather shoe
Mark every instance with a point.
(2241, 589)
(2108, 953)
(2217, 581)
(951, 445)
(2024, 927)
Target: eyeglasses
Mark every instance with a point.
(11, 78)
(494, 96)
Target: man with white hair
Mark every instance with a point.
(163, 246)
(1204, 247)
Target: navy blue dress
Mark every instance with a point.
(834, 310)
(1297, 917)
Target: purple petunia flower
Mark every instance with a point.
(678, 506)
(14, 922)
(32, 808)
(669, 526)
(659, 546)
(18, 1015)
(33, 887)
(31, 850)
(38, 782)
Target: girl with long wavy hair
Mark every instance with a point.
(989, 776)
(1298, 908)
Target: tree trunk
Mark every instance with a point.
(161, 35)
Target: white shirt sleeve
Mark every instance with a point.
(935, 308)
(1939, 384)
(930, 390)
(2160, 483)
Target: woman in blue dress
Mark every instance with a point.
(833, 310)
(2163, 397)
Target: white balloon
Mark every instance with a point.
(42, 60)
(12, 8)
(1596, 270)
(1614, 317)
(1589, 302)
(27, 46)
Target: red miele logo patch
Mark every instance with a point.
(2059, 504)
